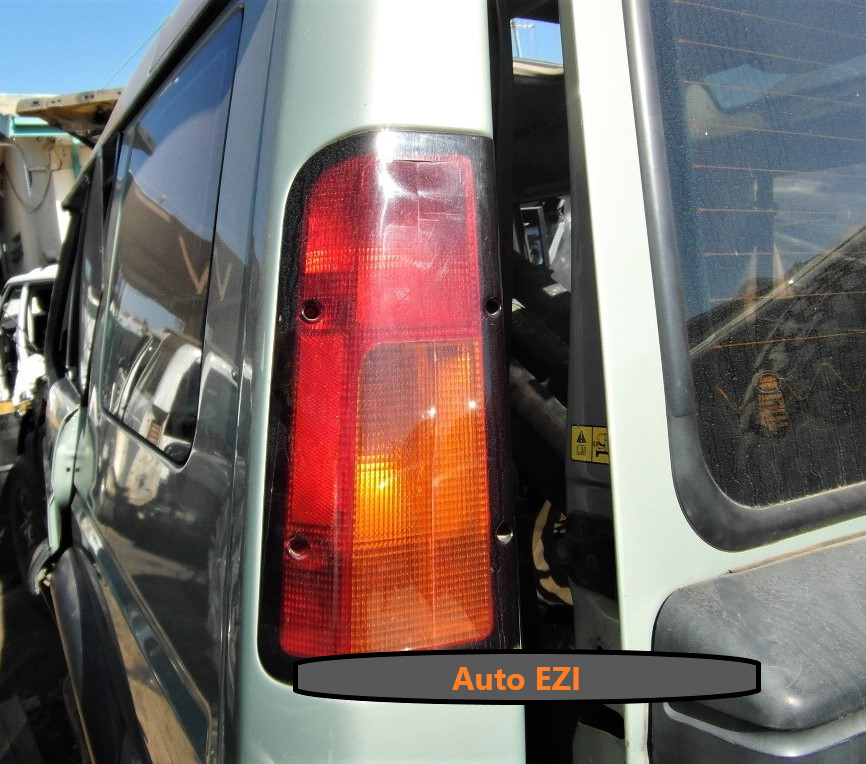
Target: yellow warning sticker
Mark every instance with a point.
(600, 451)
(589, 444)
(581, 443)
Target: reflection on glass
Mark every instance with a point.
(764, 104)
(173, 158)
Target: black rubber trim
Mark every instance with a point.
(502, 91)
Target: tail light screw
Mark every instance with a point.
(311, 311)
(504, 534)
(492, 306)
(297, 547)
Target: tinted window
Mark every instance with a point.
(172, 158)
(763, 103)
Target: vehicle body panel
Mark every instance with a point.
(159, 527)
(174, 522)
(165, 538)
(316, 106)
(650, 526)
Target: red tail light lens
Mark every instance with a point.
(386, 525)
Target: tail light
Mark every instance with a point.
(388, 525)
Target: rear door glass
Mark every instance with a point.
(764, 104)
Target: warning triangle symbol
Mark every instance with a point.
(581, 438)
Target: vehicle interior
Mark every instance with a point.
(548, 325)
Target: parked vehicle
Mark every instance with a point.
(371, 336)
(23, 319)
(24, 311)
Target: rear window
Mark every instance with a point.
(763, 109)
(171, 160)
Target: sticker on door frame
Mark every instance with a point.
(589, 444)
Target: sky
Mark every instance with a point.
(66, 46)
(538, 40)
